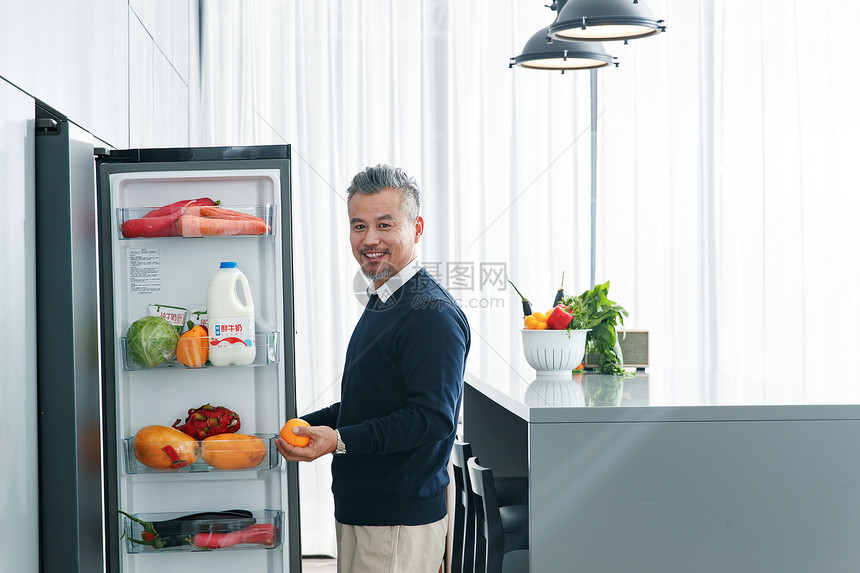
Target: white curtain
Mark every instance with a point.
(727, 205)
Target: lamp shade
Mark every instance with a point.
(596, 20)
(542, 52)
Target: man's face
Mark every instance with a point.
(383, 237)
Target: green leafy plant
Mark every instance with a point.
(602, 391)
(593, 309)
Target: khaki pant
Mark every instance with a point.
(391, 549)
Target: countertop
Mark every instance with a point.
(671, 470)
(496, 368)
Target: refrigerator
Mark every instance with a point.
(215, 505)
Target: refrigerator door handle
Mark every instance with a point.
(46, 124)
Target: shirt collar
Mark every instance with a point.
(391, 286)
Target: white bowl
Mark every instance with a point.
(555, 393)
(554, 353)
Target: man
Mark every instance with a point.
(392, 432)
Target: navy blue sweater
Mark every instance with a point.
(400, 397)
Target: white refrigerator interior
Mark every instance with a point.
(175, 271)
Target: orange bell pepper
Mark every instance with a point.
(192, 350)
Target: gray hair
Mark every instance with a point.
(374, 179)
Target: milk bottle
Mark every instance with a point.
(231, 322)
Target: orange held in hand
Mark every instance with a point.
(292, 439)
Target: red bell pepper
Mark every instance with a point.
(175, 461)
(559, 319)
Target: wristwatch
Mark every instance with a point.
(340, 450)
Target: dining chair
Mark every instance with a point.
(509, 491)
(463, 546)
(502, 533)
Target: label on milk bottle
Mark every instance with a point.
(231, 333)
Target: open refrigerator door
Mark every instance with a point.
(195, 482)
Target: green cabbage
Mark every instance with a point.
(151, 341)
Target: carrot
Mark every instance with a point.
(218, 212)
(203, 211)
(179, 205)
(211, 211)
(192, 226)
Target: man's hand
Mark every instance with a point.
(323, 441)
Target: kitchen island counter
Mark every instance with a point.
(671, 471)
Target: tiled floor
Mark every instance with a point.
(319, 566)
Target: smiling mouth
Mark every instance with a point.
(374, 255)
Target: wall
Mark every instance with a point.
(18, 470)
(162, 59)
(121, 69)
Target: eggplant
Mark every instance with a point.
(527, 305)
(559, 295)
(177, 531)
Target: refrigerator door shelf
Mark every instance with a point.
(205, 535)
(195, 221)
(266, 344)
(227, 456)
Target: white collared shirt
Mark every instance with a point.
(391, 286)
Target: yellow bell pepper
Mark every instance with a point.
(536, 321)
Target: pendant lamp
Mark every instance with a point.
(572, 42)
(543, 53)
(604, 20)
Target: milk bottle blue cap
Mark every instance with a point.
(230, 265)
